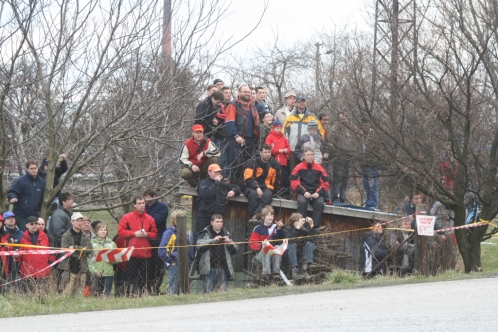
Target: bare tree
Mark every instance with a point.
(88, 79)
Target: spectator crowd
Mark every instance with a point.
(239, 146)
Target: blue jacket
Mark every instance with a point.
(168, 256)
(159, 211)
(29, 193)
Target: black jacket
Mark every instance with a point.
(375, 251)
(262, 175)
(59, 170)
(212, 196)
(204, 115)
(303, 231)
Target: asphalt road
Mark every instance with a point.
(442, 306)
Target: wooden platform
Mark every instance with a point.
(335, 218)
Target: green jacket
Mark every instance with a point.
(68, 241)
(104, 268)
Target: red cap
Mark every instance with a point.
(197, 127)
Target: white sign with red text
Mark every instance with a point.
(425, 225)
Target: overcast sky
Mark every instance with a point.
(295, 18)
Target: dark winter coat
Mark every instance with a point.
(59, 170)
(159, 211)
(212, 196)
(60, 223)
(29, 193)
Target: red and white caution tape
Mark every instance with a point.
(114, 255)
(271, 250)
(32, 252)
(68, 253)
(460, 227)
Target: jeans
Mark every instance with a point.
(264, 259)
(317, 204)
(294, 253)
(172, 271)
(216, 277)
(238, 156)
(370, 177)
(222, 145)
(104, 285)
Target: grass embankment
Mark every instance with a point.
(13, 305)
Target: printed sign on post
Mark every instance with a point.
(425, 225)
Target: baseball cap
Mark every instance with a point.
(8, 214)
(214, 168)
(76, 215)
(289, 94)
(197, 127)
(218, 80)
(31, 219)
(299, 98)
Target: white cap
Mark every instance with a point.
(76, 215)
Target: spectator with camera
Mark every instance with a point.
(301, 227)
(214, 193)
(215, 248)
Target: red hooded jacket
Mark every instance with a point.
(33, 264)
(132, 222)
(278, 141)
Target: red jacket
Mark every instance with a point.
(278, 141)
(310, 178)
(261, 233)
(132, 222)
(193, 150)
(33, 264)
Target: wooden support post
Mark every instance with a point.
(422, 244)
(181, 231)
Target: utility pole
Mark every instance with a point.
(166, 42)
(395, 40)
(317, 68)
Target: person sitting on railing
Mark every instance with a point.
(265, 231)
(301, 227)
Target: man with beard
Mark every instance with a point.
(242, 125)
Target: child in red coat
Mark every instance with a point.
(280, 149)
